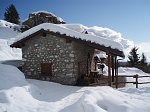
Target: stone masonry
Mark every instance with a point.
(64, 57)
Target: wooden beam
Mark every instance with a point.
(112, 65)
(109, 70)
(115, 63)
(116, 72)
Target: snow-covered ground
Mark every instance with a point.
(8, 32)
(20, 95)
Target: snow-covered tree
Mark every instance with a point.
(133, 57)
(11, 14)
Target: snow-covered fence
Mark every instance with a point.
(136, 82)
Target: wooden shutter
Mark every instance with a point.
(46, 69)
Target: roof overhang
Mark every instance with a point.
(20, 43)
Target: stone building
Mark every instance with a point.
(51, 52)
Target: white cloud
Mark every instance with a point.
(144, 47)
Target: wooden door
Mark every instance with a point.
(46, 69)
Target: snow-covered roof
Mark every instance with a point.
(71, 33)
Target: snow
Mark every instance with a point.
(95, 30)
(8, 32)
(101, 54)
(8, 53)
(62, 29)
(105, 33)
(4, 23)
(20, 95)
(133, 71)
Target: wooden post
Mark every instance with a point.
(112, 65)
(115, 66)
(88, 64)
(88, 67)
(109, 71)
(136, 77)
(136, 80)
(116, 72)
(95, 68)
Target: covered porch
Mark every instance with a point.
(108, 77)
(95, 78)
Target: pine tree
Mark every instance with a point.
(143, 61)
(11, 15)
(133, 57)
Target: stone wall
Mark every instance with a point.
(65, 58)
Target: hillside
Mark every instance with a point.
(8, 32)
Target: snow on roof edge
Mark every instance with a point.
(63, 30)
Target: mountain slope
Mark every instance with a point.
(8, 32)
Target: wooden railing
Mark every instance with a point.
(96, 79)
(136, 77)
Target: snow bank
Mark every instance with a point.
(10, 77)
(19, 95)
(133, 71)
(8, 53)
(7, 34)
(4, 23)
(106, 99)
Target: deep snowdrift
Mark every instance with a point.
(20, 95)
(8, 32)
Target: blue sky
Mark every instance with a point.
(129, 17)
